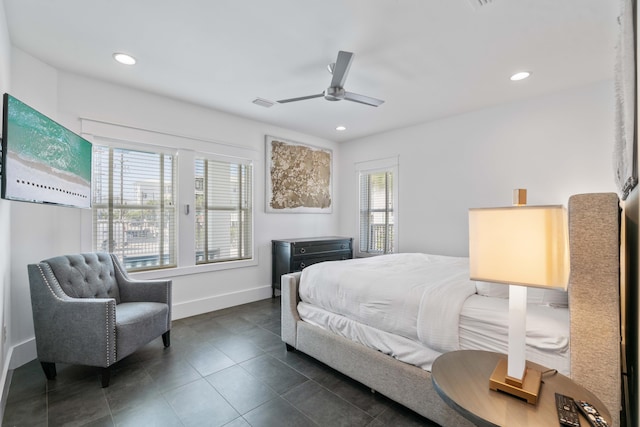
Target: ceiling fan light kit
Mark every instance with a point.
(336, 91)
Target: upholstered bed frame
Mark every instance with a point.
(594, 301)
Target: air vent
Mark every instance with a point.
(477, 4)
(263, 102)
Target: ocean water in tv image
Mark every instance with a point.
(46, 162)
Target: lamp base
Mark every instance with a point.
(530, 384)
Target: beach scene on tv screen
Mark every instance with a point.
(45, 161)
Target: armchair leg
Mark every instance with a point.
(166, 338)
(49, 370)
(106, 376)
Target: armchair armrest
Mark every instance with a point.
(64, 324)
(132, 290)
(145, 291)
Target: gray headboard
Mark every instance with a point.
(594, 296)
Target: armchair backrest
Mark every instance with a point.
(87, 275)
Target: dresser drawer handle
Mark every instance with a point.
(302, 265)
(342, 246)
(302, 250)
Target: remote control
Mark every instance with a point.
(591, 414)
(567, 412)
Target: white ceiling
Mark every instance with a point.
(426, 58)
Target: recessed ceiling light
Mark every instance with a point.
(341, 128)
(125, 59)
(520, 76)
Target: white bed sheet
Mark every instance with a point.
(483, 326)
(413, 295)
(399, 347)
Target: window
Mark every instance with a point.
(377, 208)
(224, 211)
(134, 206)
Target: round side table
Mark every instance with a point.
(461, 378)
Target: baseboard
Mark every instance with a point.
(217, 302)
(17, 356)
(22, 353)
(7, 374)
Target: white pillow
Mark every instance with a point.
(540, 296)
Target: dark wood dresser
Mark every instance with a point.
(290, 255)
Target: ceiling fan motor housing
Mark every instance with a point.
(334, 94)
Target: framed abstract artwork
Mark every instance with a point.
(299, 177)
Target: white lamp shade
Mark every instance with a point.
(523, 245)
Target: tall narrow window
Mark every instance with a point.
(378, 206)
(134, 207)
(376, 212)
(224, 211)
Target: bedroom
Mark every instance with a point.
(472, 164)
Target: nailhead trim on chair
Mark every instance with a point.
(117, 265)
(111, 306)
(108, 307)
(107, 333)
(44, 277)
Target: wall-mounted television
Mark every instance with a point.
(42, 161)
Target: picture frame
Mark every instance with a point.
(299, 177)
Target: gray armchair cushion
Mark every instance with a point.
(136, 322)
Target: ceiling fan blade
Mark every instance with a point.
(362, 99)
(302, 98)
(340, 70)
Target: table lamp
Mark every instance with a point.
(520, 246)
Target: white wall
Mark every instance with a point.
(553, 146)
(40, 232)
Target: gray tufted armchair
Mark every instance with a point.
(87, 311)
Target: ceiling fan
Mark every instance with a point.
(336, 92)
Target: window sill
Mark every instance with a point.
(168, 273)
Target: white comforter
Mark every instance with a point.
(418, 296)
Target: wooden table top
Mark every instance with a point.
(461, 378)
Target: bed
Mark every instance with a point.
(392, 354)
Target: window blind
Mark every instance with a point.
(134, 206)
(376, 212)
(224, 211)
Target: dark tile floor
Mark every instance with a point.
(224, 368)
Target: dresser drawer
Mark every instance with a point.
(308, 248)
(299, 263)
